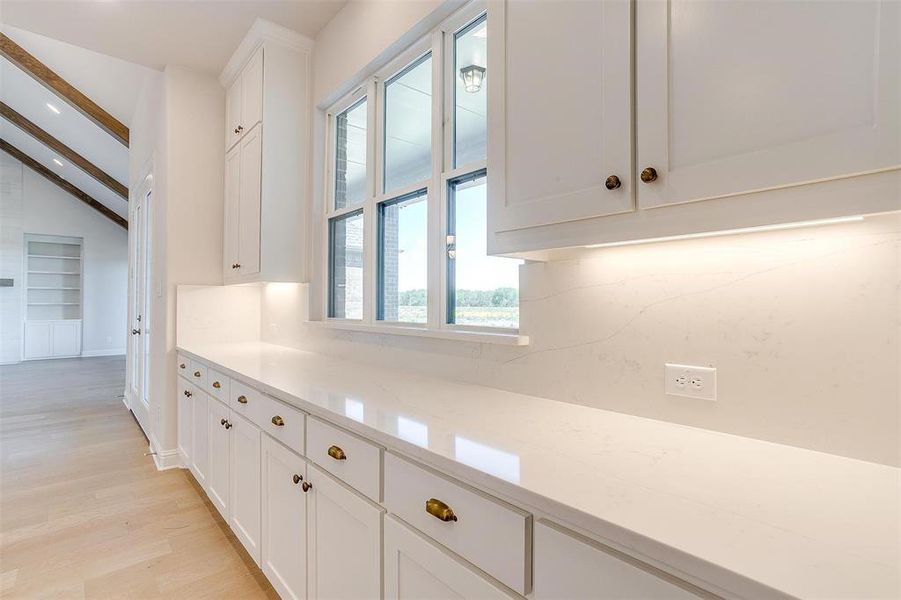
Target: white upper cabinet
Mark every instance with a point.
(244, 99)
(746, 114)
(734, 97)
(267, 129)
(565, 152)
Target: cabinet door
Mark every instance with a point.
(416, 569)
(185, 407)
(252, 92)
(66, 338)
(284, 520)
(567, 568)
(232, 212)
(38, 339)
(560, 114)
(233, 112)
(249, 202)
(734, 97)
(245, 480)
(217, 475)
(200, 437)
(345, 541)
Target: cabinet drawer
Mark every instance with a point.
(350, 458)
(183, 363)
(197, 373)
(217, 384)
(246, 401)
(488, 532)
(283, 422)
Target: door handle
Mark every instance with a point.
(135, 332)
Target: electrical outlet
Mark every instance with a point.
(690, 381)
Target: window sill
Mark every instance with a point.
(482, 337)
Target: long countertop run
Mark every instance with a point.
(756, 519)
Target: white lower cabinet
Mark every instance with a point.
(220, 438)
(185, 420)
(345, 541)
(284, 520)
(569, 568)
(245, 481)
(200, 435)
(416, 569)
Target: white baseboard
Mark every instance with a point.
(9, 362)
(166, 459)
(104, 352)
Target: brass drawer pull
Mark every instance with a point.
(217, 385)
(297, 479)
(182, 366)
(242, 399)
(337, 453)
(440, 510)
(196, 373)
(278, 421)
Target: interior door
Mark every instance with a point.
(141, 268)
(741, 96)
(249, 202)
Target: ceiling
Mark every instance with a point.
(198, 34)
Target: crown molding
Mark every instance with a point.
(262, 31)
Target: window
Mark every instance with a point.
(408, 125)
(409, 159)
(346, 266)
(350, 156)
(482, 290)
(403, 259)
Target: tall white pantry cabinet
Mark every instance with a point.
(745, 114)
(266, 167)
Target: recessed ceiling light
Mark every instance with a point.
(57, 161)
(52, 108)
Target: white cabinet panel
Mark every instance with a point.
(416, 569)
(252, 92)
(567, 568)
(232, 212)
(233, 112)
(249, 202)
(345, 541)
(284, 520)
(723, 110)
(245, 481)
(38, 339)
(219, 441)
(185, 419)
(561, 112)
(66, 338)
(200, 455)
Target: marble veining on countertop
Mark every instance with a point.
(748, 516)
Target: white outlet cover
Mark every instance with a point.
(690, 381)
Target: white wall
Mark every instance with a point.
(11, 259)
(46, 209)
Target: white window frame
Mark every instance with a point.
(440, 43)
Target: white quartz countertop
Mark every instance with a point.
(751, 518)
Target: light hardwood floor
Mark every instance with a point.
(85, 514)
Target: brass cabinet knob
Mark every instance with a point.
(337, 453)
(297, 479)
(236, 130)
(182, 366)
(242, 399)
(278, 421)
(237, 265)
(188, 394)
(135, 331)
(307, 486)
(613, 182)
(196, 373)
(228, 425)
(649, 174)
(217, 385)
(222, 422)
(240, 128)
(439, 510)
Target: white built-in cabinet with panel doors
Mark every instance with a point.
(245, 479)
(745, 114)
(345, 536)
(285, 493)
(267, 123)
(244, 99)
(185, 420)
(200, 436)
(219, 448)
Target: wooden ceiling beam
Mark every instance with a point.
(44, 75)
(63, 150)
(62, 183)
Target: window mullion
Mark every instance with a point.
(435, 247)
(374, 157)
